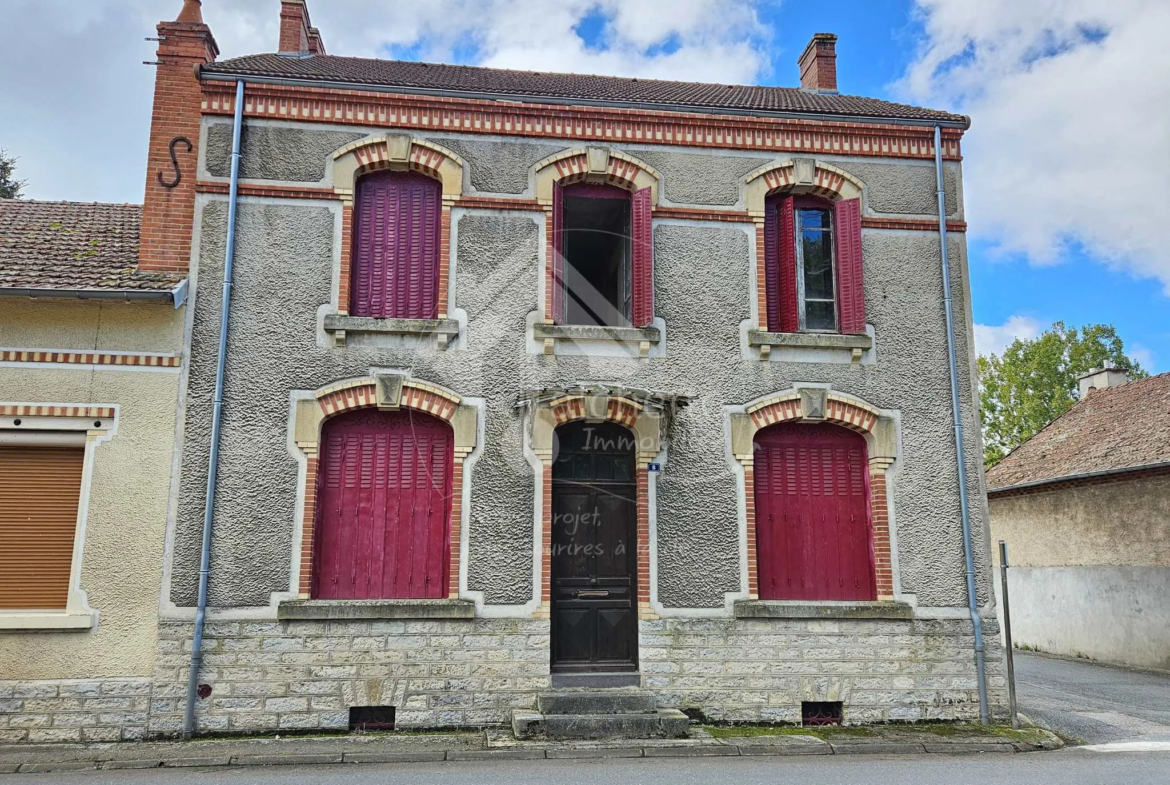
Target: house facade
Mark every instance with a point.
(537, 381)
(1084, 507)
(90, 358)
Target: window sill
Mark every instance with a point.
(46, 620)
(795, 609)
(338, 325)
(640, 337)
(343, 610)
(856, 345)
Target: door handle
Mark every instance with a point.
(583, 595)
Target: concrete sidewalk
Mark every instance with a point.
(499, 744)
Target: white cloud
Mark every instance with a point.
(76, 97)
(994, 338)
(1144, 356)
(1070, 141)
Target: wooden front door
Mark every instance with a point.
(383, 507)
(813, 535)
(594, 550)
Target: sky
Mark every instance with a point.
(1069, 218)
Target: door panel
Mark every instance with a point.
(383, 507)
(813, 534)
(594, 557)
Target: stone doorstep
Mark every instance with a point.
(394, 752)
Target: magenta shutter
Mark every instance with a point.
(850, 278)
(558, 255)
(642, 252)
(383, 507)
(771, 263)
(813, 535)
(396, 246)
(786, 267)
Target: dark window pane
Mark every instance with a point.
(818, 265)
(819, 315)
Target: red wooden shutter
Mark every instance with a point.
(558, 255)
(642, 250)
(813, 535)
(396, 248)
(771, 264)
(788, 316)
(850, 278)
(383, 507)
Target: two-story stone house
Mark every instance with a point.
(537, 380)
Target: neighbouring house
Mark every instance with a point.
(1084, 507)
(90, 348)
(538, 380)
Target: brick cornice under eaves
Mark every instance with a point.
(601, 124)
(1081, 480)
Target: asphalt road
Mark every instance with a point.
(1092, 703)
(1066, 767)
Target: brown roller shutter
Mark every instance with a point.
(39, 492)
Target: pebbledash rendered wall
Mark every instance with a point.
(268, 674)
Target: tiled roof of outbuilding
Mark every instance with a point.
(618, 91)
(73, 245)
(1115, 428)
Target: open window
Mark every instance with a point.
(813, 265)
(603, 259)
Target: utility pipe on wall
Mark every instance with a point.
(960, 452)
(216, 419)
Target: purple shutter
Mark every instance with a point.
(643, 257)
(788, 316)
(558, 255)
(383, 507)
(396, 249)
(850, 283)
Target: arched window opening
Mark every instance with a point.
(813, 271)
(396, 246)
(383, 506)
(814, 538)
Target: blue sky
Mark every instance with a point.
(1066, 201)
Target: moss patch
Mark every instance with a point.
(826, 732)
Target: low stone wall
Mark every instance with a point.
(299, 675)
(74, 710)
(741, 670)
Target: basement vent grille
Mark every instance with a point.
(364, 718)
(821, 713)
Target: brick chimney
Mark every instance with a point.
(818, 64)
(168, 212)
(297, 34)
(1101, 378)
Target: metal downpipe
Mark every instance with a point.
(216, 420)
(968, 545)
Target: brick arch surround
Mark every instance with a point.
(797, 176)
(384, 392)
(818, 405)
(598, 165)
(644, 422)
(396, 152)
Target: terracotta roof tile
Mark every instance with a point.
(1115, 428)
(73, 245)
(620, 91)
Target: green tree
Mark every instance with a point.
(1035, 381)
(10, 187)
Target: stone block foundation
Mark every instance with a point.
(295, 675)
(760, 670)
